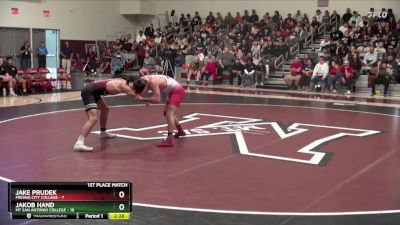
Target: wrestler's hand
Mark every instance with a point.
(140, 98)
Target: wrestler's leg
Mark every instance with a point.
(103, 109)
(87, 127)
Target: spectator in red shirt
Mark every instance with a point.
(210, 69)
(295, 73)
(238, 18)
(334, 75)
(349, 77)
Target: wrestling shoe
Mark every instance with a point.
(180, 133)
(166, 143)
(106, 135)
(82, 148)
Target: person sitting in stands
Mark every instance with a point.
(226, 61)
(380, 50)
(260, 73)
(249, 72)
(194, 68)
(11, 71)
(5, 78)
(306, 74)
(335, 34)
(364, 49)
(141, 37)
(334, 76)
(369, 61)
(105, 60)
(383, 76)
(149, 65)
(295, 73)
(320, 73)
(349, 77)
(210, 69)
(91, 57)
(117, 67)
(238, 70)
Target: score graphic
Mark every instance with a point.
(70, 200)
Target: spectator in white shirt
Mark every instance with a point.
(344, 27)
(318, 15)
(364, 49)
(380, 50)
(298, 17)
(320, 73)
(158, 39)
(369, 61)
(355, 20)
(325, 42)
(141, 37)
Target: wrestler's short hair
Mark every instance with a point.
(139, 85)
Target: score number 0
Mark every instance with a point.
(121, 194)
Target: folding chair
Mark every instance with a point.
(63, 77)
(35, 80)
(46, 83)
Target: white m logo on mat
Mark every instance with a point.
(297, 142)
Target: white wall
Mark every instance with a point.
(76, 19)
(94, 20)
(263, 6)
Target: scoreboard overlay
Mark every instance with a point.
(70, 200)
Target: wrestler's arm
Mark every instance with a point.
(156, 97)
(129, 91)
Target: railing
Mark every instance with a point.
(294, 50)
(279, 62)
(186, 29)
(308, 39)
(321, 30)
(333, 21)
(156, 49)
(167, 37)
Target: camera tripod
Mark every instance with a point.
(167, 67)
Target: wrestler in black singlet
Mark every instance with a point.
(91, 94)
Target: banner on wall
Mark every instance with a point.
(323, 3)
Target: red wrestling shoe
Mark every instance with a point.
(180, 133)
(166, 143)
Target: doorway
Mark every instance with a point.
(51, 40)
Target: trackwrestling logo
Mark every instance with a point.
(297, 142)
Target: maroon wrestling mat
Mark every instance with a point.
(239, 157)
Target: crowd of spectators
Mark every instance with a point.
(356, 45)
(246, 46)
